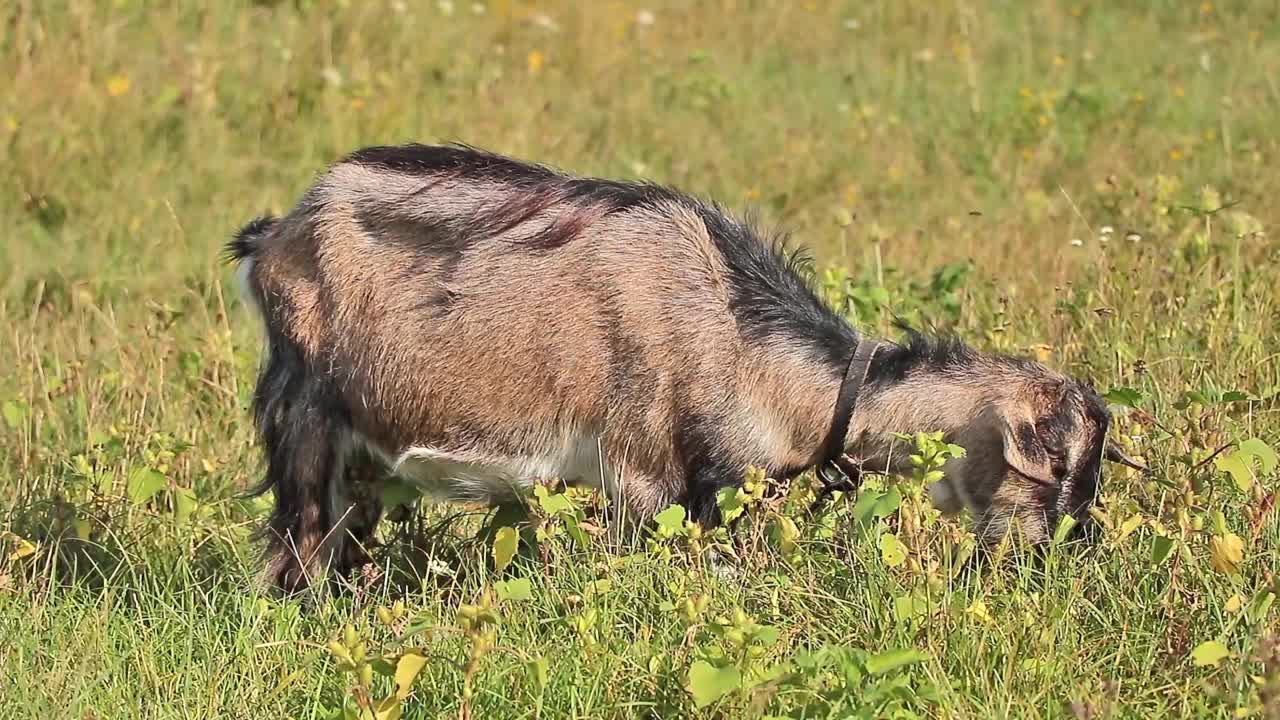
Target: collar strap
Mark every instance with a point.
(834, 471)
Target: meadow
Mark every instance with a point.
(1090, 183)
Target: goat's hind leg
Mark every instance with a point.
(304, 436)
(361, 510)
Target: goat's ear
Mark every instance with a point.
(1024, 450)
(1024, 445)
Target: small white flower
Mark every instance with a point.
(546, 22)
(1076, 242)
(1107, 230)
(439, 567)
(445, 7)
(1132, 236)
(851, 24)
(645, 18)
(478, 8)
(332, 76)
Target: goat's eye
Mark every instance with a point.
(1057, 463)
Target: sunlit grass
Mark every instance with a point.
(1090, 183)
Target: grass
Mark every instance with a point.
(1092, 183)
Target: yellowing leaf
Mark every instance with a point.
(1042, 352)
(1209, 654)
(892, 551)
(979, 610)
(535, 61)
(117, 85)
(1237, 466)
(1129, 525)
(1235, 603)
(388, 709)
(22, 547)
(504, 547)
(788, 533)
(407, 669)
(1266, 456)
(1226, 553)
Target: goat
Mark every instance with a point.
(472, 324)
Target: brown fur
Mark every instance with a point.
(474, 323)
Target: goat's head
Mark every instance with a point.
(1035, 449)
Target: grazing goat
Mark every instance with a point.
(473, 324)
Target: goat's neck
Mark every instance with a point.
(925, 403)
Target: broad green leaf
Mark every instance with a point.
(1125, 396)
(894, 659)
(143, 484)
(766, 636)
(892, 551)
(550, 503)
(1257, 611)
(671, 519)
(730, 504)
(184, 504)
(407, 669)
(1161, 547)
(598, 587)
(505, 543)
(865, 506)
(1209, 654)
(708, 683)
(514, 589)
(13, 412)
(1262, 451)
(576, 532)
(907, 607)
(538, 670)
(888, 503)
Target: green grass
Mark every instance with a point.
(942, 160)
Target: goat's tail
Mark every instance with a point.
(243, 244)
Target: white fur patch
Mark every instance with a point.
(476, 476)
(247, 294)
